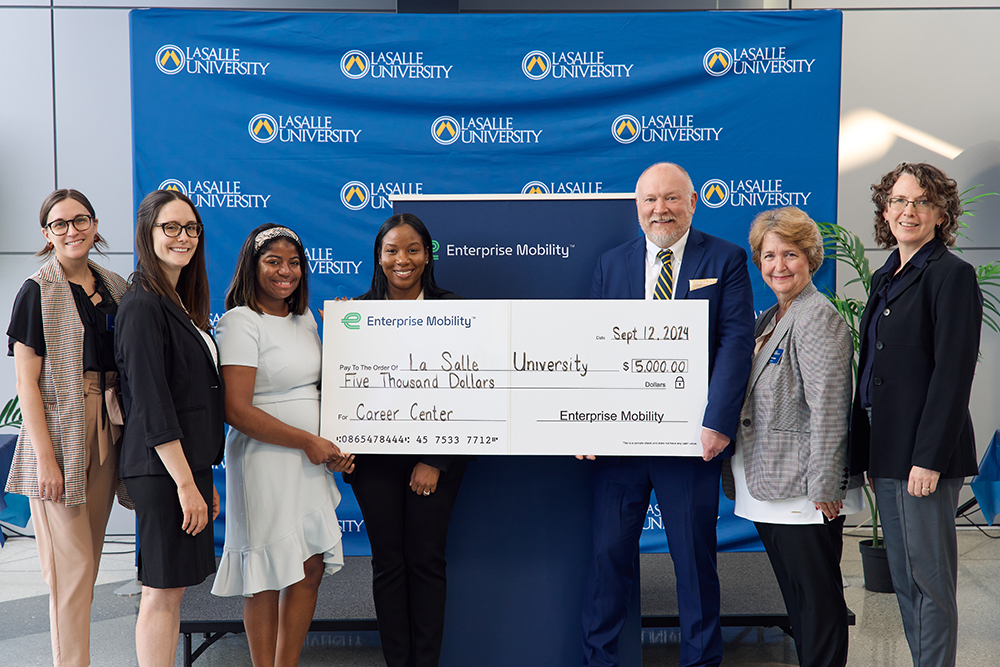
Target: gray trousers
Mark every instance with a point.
(922, 549)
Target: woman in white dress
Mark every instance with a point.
(281, 526)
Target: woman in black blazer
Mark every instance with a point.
(910, 427)
(174, 415)
(406, 500)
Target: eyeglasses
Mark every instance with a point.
(173, 229)
(921, 205)
(61, 227)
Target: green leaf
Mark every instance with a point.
(11, 414)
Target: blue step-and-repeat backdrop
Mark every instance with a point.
(314, 120)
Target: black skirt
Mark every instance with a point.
(169, 557)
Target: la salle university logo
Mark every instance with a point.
(714, 193)
(625, 129)
(536, 65)
(444, 130)
(170, 59)
(535, 188)
(354, 64)
(263, 128)
(354, 195)
(717, 62)
(174, 185)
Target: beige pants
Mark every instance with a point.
(70, 539)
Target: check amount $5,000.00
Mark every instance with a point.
(661, 366)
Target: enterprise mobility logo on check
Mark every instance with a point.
(353, 321)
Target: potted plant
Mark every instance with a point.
(849, 250)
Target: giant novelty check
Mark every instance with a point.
(625, 377)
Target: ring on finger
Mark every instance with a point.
(427, 493)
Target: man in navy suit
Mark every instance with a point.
(687, 488)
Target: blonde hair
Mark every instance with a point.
(792, 225)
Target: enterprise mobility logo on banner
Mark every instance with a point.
(542, 250)
(627, 128)
(754, 60)
(537, 65)
(216, 194)
(265, 128)
(446, 130)
(565, 187)
(172, 59)
(391, 65)
(356, 195)
(716, 193)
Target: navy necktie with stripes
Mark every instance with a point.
(665, 282)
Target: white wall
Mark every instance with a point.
(917, 82)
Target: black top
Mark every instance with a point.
(98, 337)
(922, 370)
(877, 303)
(171, 388)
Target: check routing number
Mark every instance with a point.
(608, 377)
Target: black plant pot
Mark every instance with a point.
(876, 568)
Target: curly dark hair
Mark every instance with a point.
(941, 190)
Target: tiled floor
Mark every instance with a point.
(876, 641)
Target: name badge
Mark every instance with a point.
(776, 357)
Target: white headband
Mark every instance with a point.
(273, 233)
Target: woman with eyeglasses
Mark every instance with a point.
(910, 426)
(66, 460)
(173, 415)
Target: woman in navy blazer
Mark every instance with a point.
(174, 415)
(910, 427)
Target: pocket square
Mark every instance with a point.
(698, 283)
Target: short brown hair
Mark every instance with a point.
(61, 195)
(792, 225)
(941, 191)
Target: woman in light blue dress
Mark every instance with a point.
(282, 532)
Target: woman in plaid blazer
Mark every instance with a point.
(791, 451)
(66, 462)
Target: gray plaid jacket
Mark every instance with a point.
(793, 426)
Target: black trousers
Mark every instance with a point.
(408, 535)
(806, 562)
